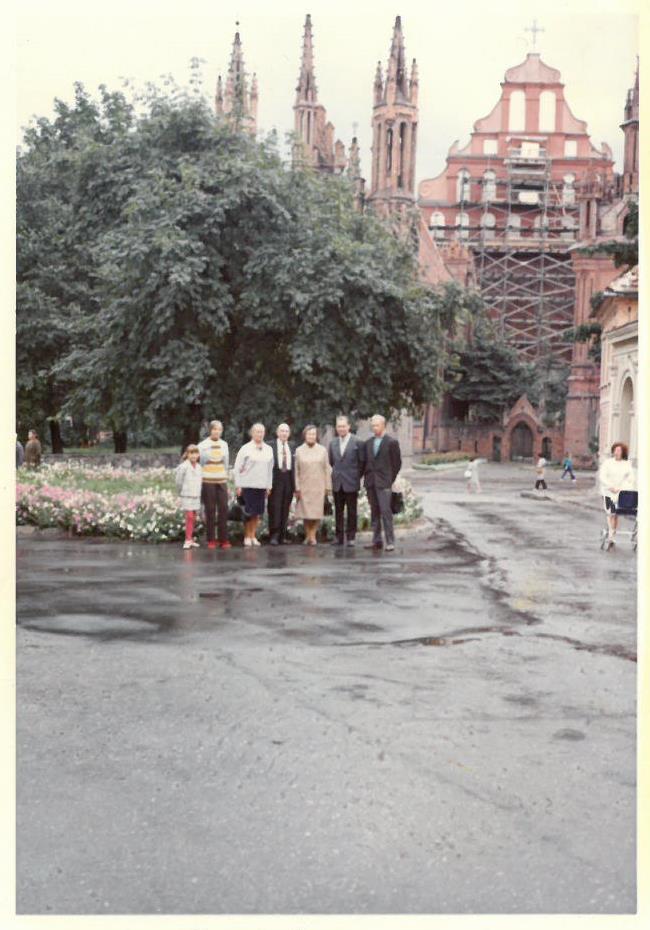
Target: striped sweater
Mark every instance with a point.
(214, 460)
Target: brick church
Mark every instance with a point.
(509, 214)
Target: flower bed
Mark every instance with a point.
(104, 501)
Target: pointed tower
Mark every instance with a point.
(394, 131)
(630, 127)
(236, 103)
(315, 143)
(354, 174)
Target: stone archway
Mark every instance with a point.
(627, 412)
(521, 442)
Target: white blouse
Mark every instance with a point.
(618, 474)
(254, 466)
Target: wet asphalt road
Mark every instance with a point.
(447, 728)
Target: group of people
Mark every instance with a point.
(540, 471)
(30, 454)
(269, 475)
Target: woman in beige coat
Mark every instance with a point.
(313, 482)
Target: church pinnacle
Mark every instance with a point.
(314, 143)
(236, 102)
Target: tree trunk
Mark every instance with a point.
(192, 430)
(119, 440)
(55, 437)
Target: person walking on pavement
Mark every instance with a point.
(313, 482)
(615, 475)
(347, 458)
(214, 489)
(471, 474)
(33, 450)
(254, 480)
(540, 483)
(284, 483)
(383, 463)
(567, 465)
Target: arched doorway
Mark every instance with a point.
(496, 448)
(521, 442)
(547, 448)
(625, 421)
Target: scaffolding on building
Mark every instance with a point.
(521, 248)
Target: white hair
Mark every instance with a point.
(254, 427)
(214, 423)
(378, 416)
(284, 425)
(343, 416)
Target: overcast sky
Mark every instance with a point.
(463, 50)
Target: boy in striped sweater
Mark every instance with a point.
(214, 489)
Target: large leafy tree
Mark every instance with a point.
(486, 373)
(195, 275)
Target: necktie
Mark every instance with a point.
(284, 456)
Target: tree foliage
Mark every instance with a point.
(172, 270)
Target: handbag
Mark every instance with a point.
(236, 512)
(327, 506)
(396, 502)
(468, 473)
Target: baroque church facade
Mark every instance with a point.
(507, 215)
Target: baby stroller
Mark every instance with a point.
(626, 506)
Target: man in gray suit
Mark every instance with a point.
(347, 458)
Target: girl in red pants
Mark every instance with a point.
(188, 485)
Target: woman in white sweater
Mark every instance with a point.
(253, 473)
(616, 474)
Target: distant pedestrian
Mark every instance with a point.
(471, 474)
(188, 484)
(214, 491)
(33, 450)
(567, 465)
(615, 475)
(254, 480)
(383, 462)
(313, 482)
(284, 483)
(20, 453)
(347, 458)
(540, 483)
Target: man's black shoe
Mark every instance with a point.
(274, 541)
(336, 542)
(374, 546)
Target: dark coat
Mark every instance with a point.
(382, 469)
(277, 465)
(347, 470)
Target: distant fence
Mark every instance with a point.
(151, 459)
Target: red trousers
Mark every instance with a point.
(190, 520)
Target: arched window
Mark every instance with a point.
(568, 190)
(489, 185)
(462, 225)
(514, 226)
(625, 431)
(488, 222)
(437, 225)
(389, 151)
(547, 101)
(463, 188)
(568, 227)
(517, 120)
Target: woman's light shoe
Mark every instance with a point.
(256, 542)
(248, 542)
(187, 544)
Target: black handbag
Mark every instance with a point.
(396, 502)
(327, 506)
(236, 513)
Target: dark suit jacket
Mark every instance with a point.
(382, 469)
(277, 465)
(348, 469)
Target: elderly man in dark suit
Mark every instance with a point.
(347, 456)
(284, 483)
(383, 462)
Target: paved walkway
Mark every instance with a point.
(446, 728)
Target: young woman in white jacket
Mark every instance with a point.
(616, 474)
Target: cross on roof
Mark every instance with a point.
(534, 29)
